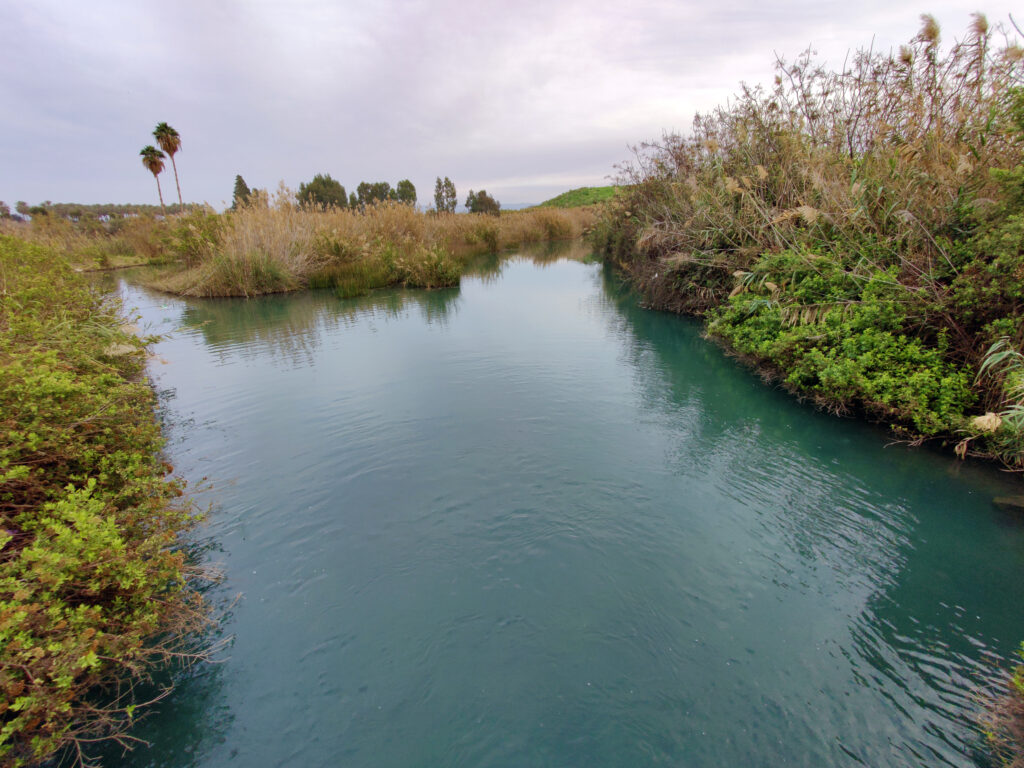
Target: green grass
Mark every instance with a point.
(575, 198)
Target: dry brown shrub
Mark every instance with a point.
(888, 150)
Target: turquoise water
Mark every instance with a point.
(526, 522)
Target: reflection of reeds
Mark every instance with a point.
(279, 246)
(289, 327)
(488, 267)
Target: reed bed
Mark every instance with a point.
(276, 245)
(91, 244)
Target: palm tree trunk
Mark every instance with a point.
(181, 205)
(159, 192)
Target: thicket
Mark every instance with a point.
(481, 202)
(858, 234)
(93, 581)
(323, 191)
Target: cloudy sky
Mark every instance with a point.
(525, 98)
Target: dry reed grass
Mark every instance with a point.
(891, 153)
(92, 244)
(276, 245)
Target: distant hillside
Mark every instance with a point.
(582, 196)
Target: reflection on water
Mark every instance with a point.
(525, 522)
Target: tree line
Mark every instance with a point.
(324, 191)
(76, 211)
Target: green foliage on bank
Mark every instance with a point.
(857, 235)
(844, 336)
(90, 569)
(575, 198)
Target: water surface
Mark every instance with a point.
(526, 522)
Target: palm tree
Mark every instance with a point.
(153, 159)
(170, 142)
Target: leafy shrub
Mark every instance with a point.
(93, 586)
(841, 337)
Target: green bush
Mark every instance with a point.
(90, 569)
(840, 336)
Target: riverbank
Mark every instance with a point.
(274, 245)
(855, 235)
(279, 246)
(93, 583)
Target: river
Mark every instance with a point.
(526, 522)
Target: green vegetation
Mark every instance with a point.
(405, 192)
(323, 191)
(242, 193)
(445, 198)
(858, 235)
(575, 198)
(93, 583)
(481, 202)
(376, 192)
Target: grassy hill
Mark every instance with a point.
(577, 197)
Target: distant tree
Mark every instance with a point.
(406, 192)
(438, 195)
(21, 207)
(153, 159)
(353, 201)
(445, 198)
(376, 192)
(241, 194)
(170, 142)
(323, 191)
(5, 210)
(481, 202)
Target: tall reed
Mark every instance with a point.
(275, 245)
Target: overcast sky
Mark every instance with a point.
(525, 99)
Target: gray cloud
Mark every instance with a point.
(525, 99)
